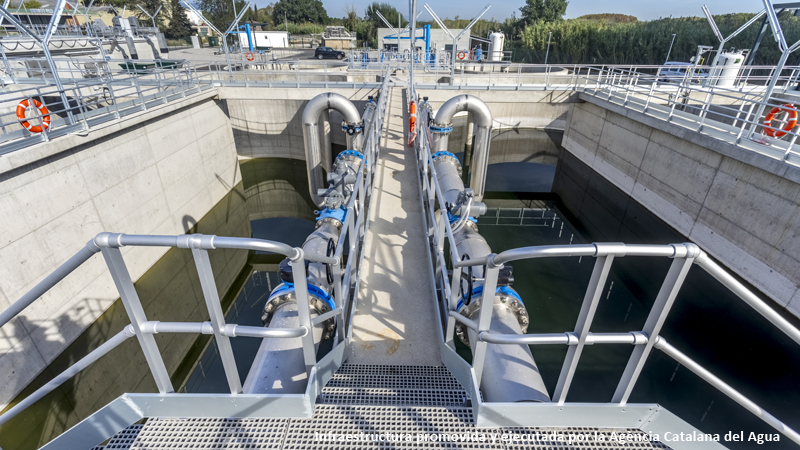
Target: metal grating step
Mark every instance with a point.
(379, 427)
(393, 396)
(355, 384)
(211, 434)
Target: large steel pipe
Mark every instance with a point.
(443, 126)
(316, 158)
(510, 373)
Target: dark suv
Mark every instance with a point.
(327, 52)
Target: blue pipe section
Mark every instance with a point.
(503, 290)
(249, 35)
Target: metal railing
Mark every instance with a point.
(733, 112)
(683, 257)
(109, 244)
(99, 91)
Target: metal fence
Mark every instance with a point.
(345, 284)
(97, 91)
(683, 257)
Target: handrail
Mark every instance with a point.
(109, 245)
(683, 256)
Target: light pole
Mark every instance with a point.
(670, 48)
(547, 53)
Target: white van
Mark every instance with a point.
(676, 72)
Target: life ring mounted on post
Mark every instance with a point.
(412, 122)
(23, 105)
(462, 54)
(791, 121)
(250, 56)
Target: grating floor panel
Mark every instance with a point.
(393, 385)
(210, 434)
(343, 427)
(366, 407)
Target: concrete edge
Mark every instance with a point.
(763, 162)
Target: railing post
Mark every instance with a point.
(658, 314)
(133, 306)
(455, 287)
(591, 299)
(216, 316)
(485, 315)
(303, 312)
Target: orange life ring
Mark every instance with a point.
(23, 105)
(250, 56)
(462, 54)
(792, 122)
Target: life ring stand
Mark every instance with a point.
(23, 105)
(250, 56)
(770, 131)
(462, 54)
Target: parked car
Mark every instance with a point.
(327, 52)
(676, 72)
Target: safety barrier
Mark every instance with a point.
(109, 245)
(683, 256)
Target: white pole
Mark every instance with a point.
(548, 48)
(670, 49)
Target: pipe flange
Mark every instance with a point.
(502, 299)
(441, 129)
(447, 157)
(318, 305)
(330, 221)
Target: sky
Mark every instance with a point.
(642, 9)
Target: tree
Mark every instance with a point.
(299, 11)
(179, 24)
(220, 12)
(388, 11)
(544, 10)
(351, 18)
(31, 4)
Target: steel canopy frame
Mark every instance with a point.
(224, 35)
(153, 17)
(723, 40)
(455, 38)
(786, 50)
(44, 42)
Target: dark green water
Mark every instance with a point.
(707, 322)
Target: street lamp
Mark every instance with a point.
(670, 48)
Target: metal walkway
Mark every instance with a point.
(415, 423)
(395, 319)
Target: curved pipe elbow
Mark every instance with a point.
(326, 101)
(316, 160)
(464, 102)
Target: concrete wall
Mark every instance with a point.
(267, 123)
(739, 206)
(157, 173)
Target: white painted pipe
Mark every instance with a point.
(483, 135)
(315, 159)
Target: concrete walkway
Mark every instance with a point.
(395, 320)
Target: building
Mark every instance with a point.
(439, 39)
(339, 38)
